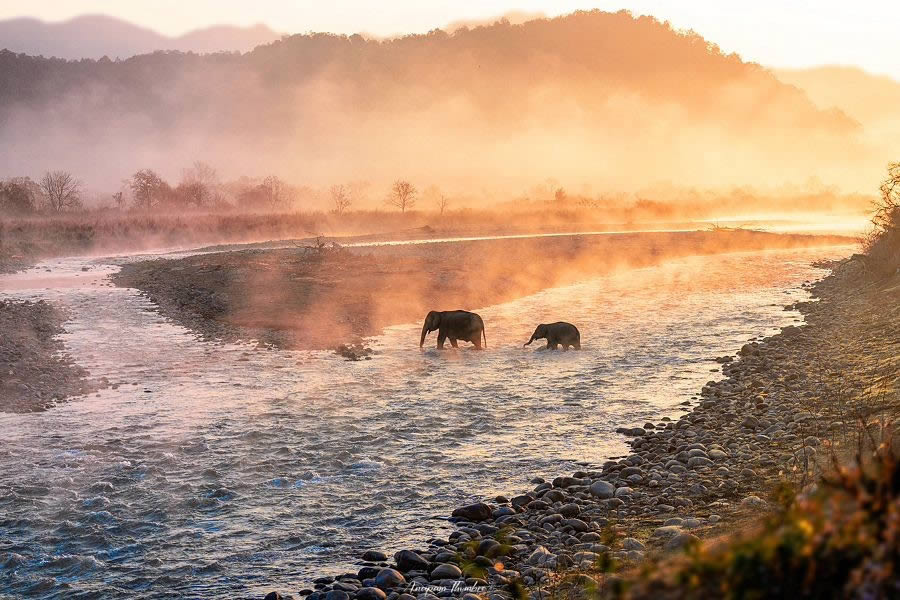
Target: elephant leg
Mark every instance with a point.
(440, 341)
(552, 345)
(477, 340)
(453, 342)
(577, 345)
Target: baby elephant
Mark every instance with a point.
(557, 334)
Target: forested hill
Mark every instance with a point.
(585, 95)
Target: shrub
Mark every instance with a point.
(842, 541)
(882, 245)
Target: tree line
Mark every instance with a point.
(199, 189)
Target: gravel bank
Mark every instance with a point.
(34, 374)
(786, 400)
(307, 299)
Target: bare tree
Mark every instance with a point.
(887, 208)
(200, 185)
(882, 243)
(119, 199)
(276, 192)
(61, 190)
(403, 195)
(443, 203)
(340, 199)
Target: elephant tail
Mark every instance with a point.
(484, 335)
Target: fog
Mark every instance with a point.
(602, 103)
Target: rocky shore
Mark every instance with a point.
(788, 403)
(34, 373)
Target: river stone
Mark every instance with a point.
(603, 489)
(553, 496)
(273, 596)
(538, 505)
(374, 556)
(370, 593)
(630, 543)
(564, 482)
(699, 461)
(446, 571)
(681, 540)
(488, 547)
(667, 531)
(623, 491)
(473, 512)
(576, 524)
(539, 556)
(407, 560)
(337, 595)
(754, 502)
(503, 511)
(367, 573)
(521, 500)
(569, 510)
(389, 578)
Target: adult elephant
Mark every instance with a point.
(557, 334)
(454, 325)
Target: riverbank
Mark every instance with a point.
(322, 297)
(35, 373)
(788, 402)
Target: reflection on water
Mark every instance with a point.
(212, 469)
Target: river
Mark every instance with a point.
(213, 469)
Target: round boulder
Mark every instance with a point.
(473, 512)
(603, 489)
(389, 578)
(407, 561)
(446, 571)
(370, 593)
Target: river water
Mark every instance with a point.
(222, 470)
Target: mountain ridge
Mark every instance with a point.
(93, 36)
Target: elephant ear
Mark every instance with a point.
(435, 319)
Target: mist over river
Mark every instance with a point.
(224, 470)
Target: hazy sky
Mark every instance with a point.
(779, 33)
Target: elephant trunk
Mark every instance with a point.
(424, 333)
(528, 343)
